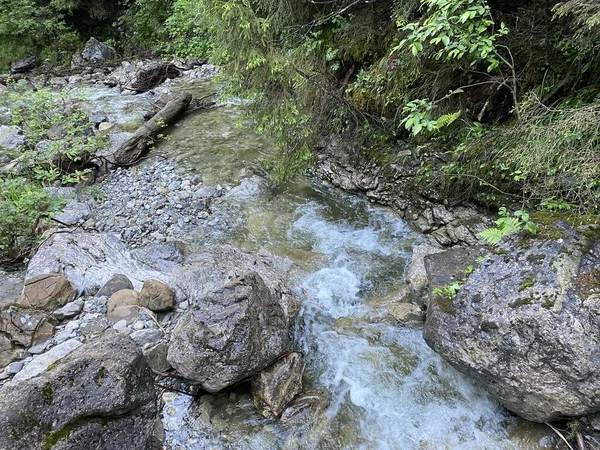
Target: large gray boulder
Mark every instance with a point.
(229, 335)
(526, 324)
(99, 397)
(94, 53)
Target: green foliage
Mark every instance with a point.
(508, 224)
(61, 132)
(448, 291)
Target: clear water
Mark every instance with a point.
(389, 390)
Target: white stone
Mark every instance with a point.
(42, 362)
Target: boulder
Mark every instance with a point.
(101, 396)
(526, 324)
(157, 296)
(278, 384)
(24, 65)
(25, 327)
(94, 53)
(116, 283)
(74, 213)
(157, 358)
(416, 275)
(305, 408)
(230, 335)
(120, 299)
(47, 292)
(89, 260)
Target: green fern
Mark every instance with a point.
(507, 225)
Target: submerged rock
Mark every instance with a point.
(277, 385)
(526, 324)
(230, 334)
(100, 396)
(305, 408)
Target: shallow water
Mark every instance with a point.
(389, 390)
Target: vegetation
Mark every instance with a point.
(56, 143)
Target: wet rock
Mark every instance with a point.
(25, 65)
(157, 296)
(116, 283)
(100, 396)
(44, 361)
(278, 384)
(231, 334)
(305, 408)
(416, 275)
(94, 52)
(406, 312)
(249, 188)
(526, 324)
(25, 327)
(47, 292)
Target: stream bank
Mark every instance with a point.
(349, 257)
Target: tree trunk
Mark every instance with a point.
(136, 145)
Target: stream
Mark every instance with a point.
(388, 389)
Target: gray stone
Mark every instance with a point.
(526, 324)
(41, 362)
(74, 213)
(14, 368)
(11, 137)
(146, 336)
(94, 52)
(47, 292)
(416, 275)
(24, 65)
(230, 335)
(249, 188)
(157, 358)
(115, 284)
(69, 311)
(11, 286)
(101, 396)
(278, 384)
(406, 312)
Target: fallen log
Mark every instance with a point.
(144, 136)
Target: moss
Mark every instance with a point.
(520, 302)
(548, 303)
(48, 394)
(445, 304)
(499, 251)
(100, 376)
(52, 437)
(527, 283)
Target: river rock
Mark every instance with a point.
(74, 213)
(526, 324)
(122, 298)
(305, 408)
(115, 284)
(229, 335)
(89, 260)
(101, 396)
(47, 292)
(25, 327)
(157, 357)
(44, 361)
(416, 275)
(94, 52)
(24, 65)
(278, 384)
(406, 312)
(157, 296)
(69, 311)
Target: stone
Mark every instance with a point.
(116, 283)
(526, 323)
(105, 126)
(249, 188)
(42, 362)
(94, 53)
(406, 312)
(146, 336)
(278, 384)
(416, 275)
(74, 213)
(122, 298)
(24, 65)
(157, 296)
(69, 311)
(305, 408)
(231, 334)
(8, 351)
(14, 367)
(157, 358)
(100, 396)
(11, 286)
(25, 327)
(89, 259)
(11, 138)
(47, 292)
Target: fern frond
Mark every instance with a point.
(492, 235)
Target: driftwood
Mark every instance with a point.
(146, 79)
(144, 136)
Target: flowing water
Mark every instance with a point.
(388, 389)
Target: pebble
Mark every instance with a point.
(14, 368)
